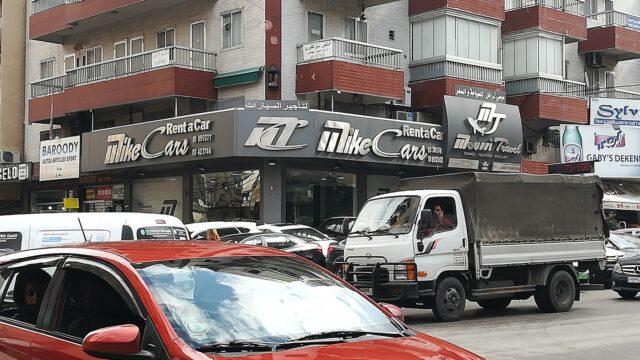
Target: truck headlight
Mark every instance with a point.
(404, 272)
(617, 268)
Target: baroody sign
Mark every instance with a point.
(60, 159)
(482, 136)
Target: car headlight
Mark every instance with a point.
(617, 268)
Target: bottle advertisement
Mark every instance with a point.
(615, 149)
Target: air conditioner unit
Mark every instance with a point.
(404, 115)
(530, 147)
(9, 157)
(595, 60)
(407, 99)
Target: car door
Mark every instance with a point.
(90, 295)
(17, 330)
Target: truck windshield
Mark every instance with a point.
(388, 215)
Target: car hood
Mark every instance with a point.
(419, 347)
(631, 260)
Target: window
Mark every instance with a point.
(232, 29)
(23, 297)
(316, 26)
(355, 29)
(279, 242)
(165, 38)
(136, 46)
(225, 196)
(307, 233)
(533, 55)
(94, 56)
(332, 227)
(46, 69)
(452, 36)
(443, 215)
(255, 240)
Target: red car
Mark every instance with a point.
(193, 300)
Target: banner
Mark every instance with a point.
(60, 159)
(605, 111)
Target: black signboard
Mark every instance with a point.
(10, 240)
(580, 167)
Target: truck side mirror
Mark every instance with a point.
(425, 221)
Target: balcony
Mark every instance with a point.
(488, 8)
(613, 33)
(563, 17)
(53, 20)
(614, 94)
(546, 101)
(350, 66)
(167, 72)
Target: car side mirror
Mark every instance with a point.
(116, 342)
(395, 311)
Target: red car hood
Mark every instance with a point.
(419, 347)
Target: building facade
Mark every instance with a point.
(99, 67)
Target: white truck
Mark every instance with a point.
(500, 237)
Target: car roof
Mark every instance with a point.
(197, 227)
(147, 251)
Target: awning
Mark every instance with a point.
(621, 197)
(239, 77)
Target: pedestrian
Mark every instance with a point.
(212, 235)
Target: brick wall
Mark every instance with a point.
(429, 93)
(612, 37)
(489, 8)
(533, 167)
(349, 77)
(549, 107)
(547, 19)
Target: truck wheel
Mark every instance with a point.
(627, 294)
(495, 304)
(558, 295)
(449, 301)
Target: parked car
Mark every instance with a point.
(289, 243)
(625, 243)
(604, 276)
(337, 227)
(335, 254)
(193, 300)
(302, 231)
(199, 230)
(626, 277)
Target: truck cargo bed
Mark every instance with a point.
(541, 253)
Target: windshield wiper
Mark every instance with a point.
(236, 346)
(333, 337)
(362, 232)
(383, 231)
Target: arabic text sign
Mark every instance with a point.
(60, 159)
(604, 111)
(160, 58)
(286, 105)
(614, 151)
(317, 50)
(481, 94)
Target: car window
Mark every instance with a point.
(24, 294)
(349, 223)
(254, 240)
(279, 242)
(306, 233)
(332, 226)
(227, 231)
(88, 303)
(200, 236)
(243, 230)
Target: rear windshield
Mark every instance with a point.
(162, 233)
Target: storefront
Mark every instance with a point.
(276, 164)
(12, 179)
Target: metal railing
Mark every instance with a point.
(42, 5)
(614, 94)
(455, 68)
(570, 6)
(613, 18)
(353, 51)
(126, 66)
(564, 88)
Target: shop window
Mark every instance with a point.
(226, 196)
(146, 197)
(313, 196)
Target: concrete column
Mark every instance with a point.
(12, 73)
(273, 192)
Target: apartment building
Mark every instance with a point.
(94, 66)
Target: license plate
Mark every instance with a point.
(366, 291)
(633, 280)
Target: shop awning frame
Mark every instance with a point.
(620, 196)
(240, 77)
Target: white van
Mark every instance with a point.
(29, 231)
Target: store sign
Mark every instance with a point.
(60, 159)
(481, 94)
(319, 134)
(317, 50)
(11, 240)
(285, 105)
(614, 150)
(159, 142)
(483, 136)
(117, 192)
(10, 173)
(71, 203)
(606, 111)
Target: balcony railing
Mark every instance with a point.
(42, 5)
(456, 68)
(614, 94)
(613, 18)
(564, 88)
(170, 56)
(570, 6)
(353, 51)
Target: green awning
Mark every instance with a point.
(239, 77)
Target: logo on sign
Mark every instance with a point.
(487, 120)
(276, 133)
(609, 141)
(169, 207)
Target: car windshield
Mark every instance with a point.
(394, 215)
(269, 299)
